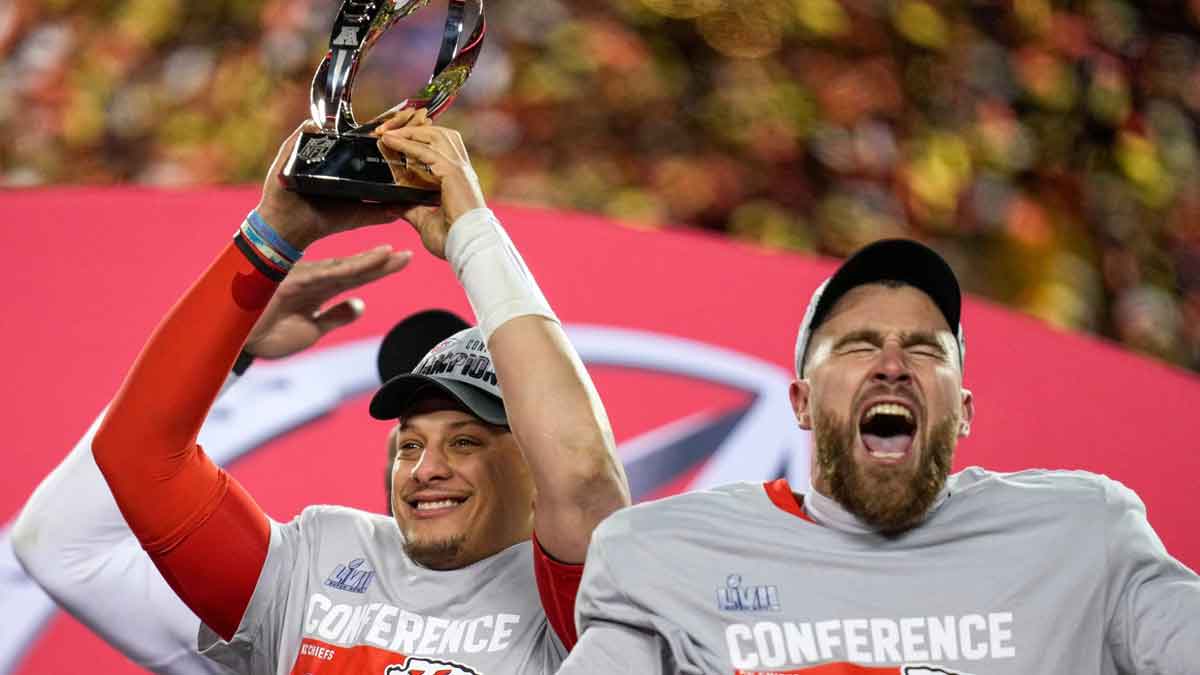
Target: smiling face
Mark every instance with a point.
(883, 396)
(461, 490)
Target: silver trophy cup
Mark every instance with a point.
(341, 159)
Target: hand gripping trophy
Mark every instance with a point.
(341, 158)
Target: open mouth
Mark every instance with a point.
(887, 430)
(435, 506)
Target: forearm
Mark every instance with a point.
(71, 539)
(71, 518)
(177, 502)
(178, 374)
(560, 424)
(552, 406)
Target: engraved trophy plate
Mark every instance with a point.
(342, 158)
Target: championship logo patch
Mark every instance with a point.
(737, 596)
(353, 576)
(418, 666)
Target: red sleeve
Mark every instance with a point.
(558, 584)
(202, 530)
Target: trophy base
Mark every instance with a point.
(348, 167)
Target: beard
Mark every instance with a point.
(435, 554)
(889, 499)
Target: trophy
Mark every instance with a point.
(342, 159)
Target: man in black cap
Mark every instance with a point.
(886, 563)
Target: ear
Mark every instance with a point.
(967, 413)
(798, 392)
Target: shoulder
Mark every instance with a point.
(664, 520)
(1063, 489)
(324, 520)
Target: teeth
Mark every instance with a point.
(442, 504)
(889, 409)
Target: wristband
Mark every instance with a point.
(499, 286)
(267, 232)
(264, 248)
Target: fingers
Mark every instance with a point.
(319, 281)
(419, 118)
(365, 267)
(341, 314)
(450, 136)
(387, 213)
(448, 141)
(402, 173)
(423, 217)
(404, 118)
(313, 269)
(431, 157)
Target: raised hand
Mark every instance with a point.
(404, 118)
(404, 171)
(294, 319)
(436, 154)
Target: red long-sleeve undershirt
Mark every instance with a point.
(202, 530)
(558, 584)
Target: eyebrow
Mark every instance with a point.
(873, 337)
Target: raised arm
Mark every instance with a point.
(562, 428)
(71, 539)
(180, 506)
(73, 542)
(553, 408)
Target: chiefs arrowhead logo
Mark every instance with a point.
(414, 665)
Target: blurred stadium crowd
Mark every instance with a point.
(1049, 149)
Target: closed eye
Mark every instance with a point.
(858, 348)
(928, 352)
(858, 342)
(926, 349)
(924, 344)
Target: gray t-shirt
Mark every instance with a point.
(1030, 572)
(338, 596)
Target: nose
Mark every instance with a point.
(432, 466)
(892, 366)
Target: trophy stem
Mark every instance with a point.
(343, 159)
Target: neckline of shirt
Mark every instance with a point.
(816, 508)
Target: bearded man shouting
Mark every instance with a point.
(887, 563)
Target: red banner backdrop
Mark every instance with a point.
(88, 272)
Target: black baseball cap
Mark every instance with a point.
(903, 260)
(412, 337)
(459, 367)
